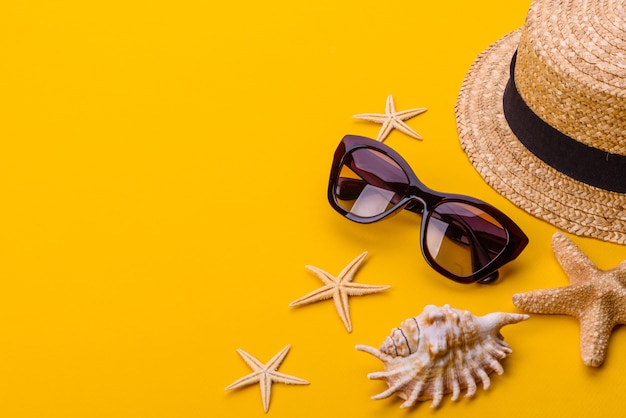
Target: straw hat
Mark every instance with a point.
(552, 137)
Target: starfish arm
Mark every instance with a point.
(278, 358)
(620, 278)
(619, 272)
(359, 289)
(266, 391)
(287, 378)
(343, 309)
(574, 262)
(254, 364)
(326, 277)
(410, 113)
(405, 129)
(390, 106)
(347, 274)
(372, 117)
(595, 330)
(323, 293)
(560, 300)
(246, 380)
(385, 130)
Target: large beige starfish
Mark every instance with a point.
(392, 119)
(597, 298)
(339, 288)
(265, 375)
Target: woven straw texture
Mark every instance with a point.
(571, 72)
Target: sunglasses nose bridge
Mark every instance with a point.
(414, 192)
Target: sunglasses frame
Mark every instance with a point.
(422, 200)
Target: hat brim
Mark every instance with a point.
(516, 173)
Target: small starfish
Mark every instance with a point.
(339, 288)
(597, 298)
(392, 119)
(265, 375)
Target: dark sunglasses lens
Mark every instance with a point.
(370, 183)
(462, 238)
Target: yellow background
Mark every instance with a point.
(163, 170)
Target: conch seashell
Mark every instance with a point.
(443, 350)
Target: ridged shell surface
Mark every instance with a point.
(443, 350)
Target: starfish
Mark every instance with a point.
(392, 119)
(265, 375)
(597, 298)
(339, 288)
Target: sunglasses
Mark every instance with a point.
(464, 239)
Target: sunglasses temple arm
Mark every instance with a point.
(480, 257)
(415, 207)
(490, 279)
(480, 254)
